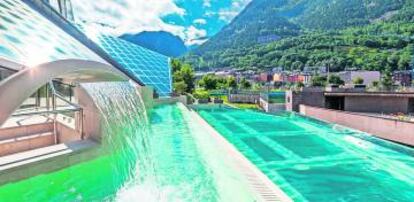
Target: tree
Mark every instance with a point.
(335, 80)
(208, 82)
(180, 87)
(183, 77)
(187, 74)
(318, 81)
(386, 80)
(175, 65)
(358, 81)
(231, 82)
(244, 84)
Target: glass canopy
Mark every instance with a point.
(28, 38)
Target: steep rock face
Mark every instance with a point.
(162, 42)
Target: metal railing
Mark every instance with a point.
(55, 111)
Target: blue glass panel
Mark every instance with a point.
(152, 68)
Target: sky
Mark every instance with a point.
(192, 20)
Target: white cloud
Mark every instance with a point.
(200, 21)
(134, 16)
(194, 35)
(227, 14)
(207, 3)
(130, 16)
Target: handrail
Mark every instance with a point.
(57, 94)
(74, 108)
(46, 112)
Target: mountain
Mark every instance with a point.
(162, 42)
(265, 21)
(360, 34)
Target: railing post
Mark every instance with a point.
(54, 128)
(81, 124)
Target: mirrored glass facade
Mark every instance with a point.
(28, 38)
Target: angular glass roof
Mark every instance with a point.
(28, 38)
(152, 68)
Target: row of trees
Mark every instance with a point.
(213, 82)
(184, 80)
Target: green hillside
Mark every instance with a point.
(363, 34)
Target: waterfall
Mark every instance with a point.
(125, 128)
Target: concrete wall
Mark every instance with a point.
(26, 137)
(270, 108)
(66, 134)
(376, 104)
(12, 132)
(244, 98)
(91, 115)
(394, 130)
(147, 95)
(411, 105)
(306, 97)
(171, 100)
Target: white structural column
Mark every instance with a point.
(18, 87)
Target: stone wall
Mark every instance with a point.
(389, 129)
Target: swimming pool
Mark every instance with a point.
(314, 161)
(182, 165)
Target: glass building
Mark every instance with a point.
(148, 66)
(29, 37)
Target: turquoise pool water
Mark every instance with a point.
(315, 161)
(177, 162)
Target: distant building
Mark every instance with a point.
(279, 77)
(265, 77)
(305, 78)
(403, 78)
(284, 77)
(367, 76)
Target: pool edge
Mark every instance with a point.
(258, 182)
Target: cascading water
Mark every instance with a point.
(125, 130)
(162, 157)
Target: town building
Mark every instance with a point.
(265, 77)
(368, 76)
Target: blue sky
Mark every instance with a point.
(192, 20)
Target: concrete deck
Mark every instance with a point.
(34, 162)
(258, 182)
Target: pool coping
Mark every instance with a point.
(258, 182)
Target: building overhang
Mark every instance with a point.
(370, 94)
(17, 88)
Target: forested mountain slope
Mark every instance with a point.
(362, 34)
